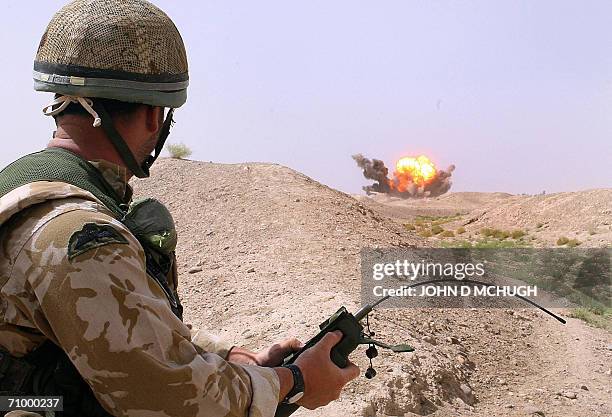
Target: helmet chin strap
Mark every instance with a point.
(161, 141)
(141, 171)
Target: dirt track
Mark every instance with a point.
(266, 253)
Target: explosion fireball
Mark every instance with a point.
(414, 177)
(419, 170)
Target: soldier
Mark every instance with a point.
(88, 301)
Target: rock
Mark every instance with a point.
(369, 411)
(250, 270)
(248, 334)
(195, 270)
(534, 411)
(609, 347)
(466, 390)
(429, 339)
(569, 394)
(228, 293)
(584, 387)
(452, 340)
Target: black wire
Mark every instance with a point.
(369, 335)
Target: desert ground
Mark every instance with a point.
(267, 253)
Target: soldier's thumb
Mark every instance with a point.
(330, 340)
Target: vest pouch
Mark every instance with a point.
(152, 224)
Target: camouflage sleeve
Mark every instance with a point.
(209, 342)
(117, 327)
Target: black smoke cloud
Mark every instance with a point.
(375, 169)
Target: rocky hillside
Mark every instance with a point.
(585, 216)
(266, 253)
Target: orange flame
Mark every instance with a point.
(410, 170)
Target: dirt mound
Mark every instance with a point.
(444, 205)
(265, 241)
(582, 215)
(266, 253)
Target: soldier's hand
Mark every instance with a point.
(323, 380)
(274, 355)
(269, 357)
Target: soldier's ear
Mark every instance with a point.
(154, 118)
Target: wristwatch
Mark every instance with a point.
(297, 391)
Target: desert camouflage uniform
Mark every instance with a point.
(113, 321)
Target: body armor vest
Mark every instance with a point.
(47, 370)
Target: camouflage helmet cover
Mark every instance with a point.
(126, 50)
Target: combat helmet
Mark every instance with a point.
(126, 50)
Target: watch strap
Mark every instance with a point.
(298, 385)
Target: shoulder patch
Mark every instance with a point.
(92, 236)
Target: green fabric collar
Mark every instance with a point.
(56, 164)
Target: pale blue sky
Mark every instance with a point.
(517, 94)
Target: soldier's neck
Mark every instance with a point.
(88, 142)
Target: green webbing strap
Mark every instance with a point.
(161, 140)
(60, 165)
